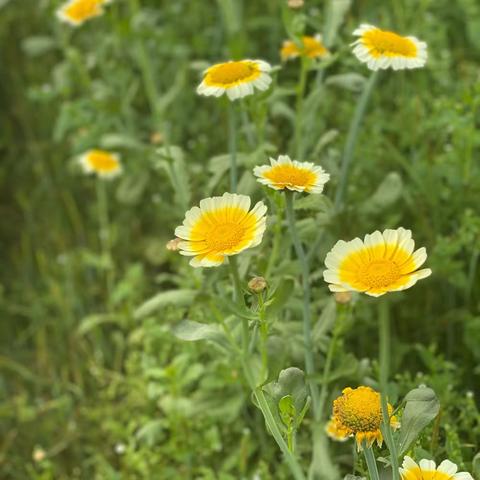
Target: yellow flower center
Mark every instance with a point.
(102, 161)
(381, 42)
(359, 410)
(379, 273)
(225, 236)
(231, 73)
(83, 9)
(291, 176)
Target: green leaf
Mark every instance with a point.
(234, 308)
(193, 331)
(337, 10)
(131, 187)
(422, 406)
(38, 45)
(353, 82)
(476, 465)
(151, 432)
(93, 321)
(287, 410)
(179, 298)
(280, 296)
(387, 193)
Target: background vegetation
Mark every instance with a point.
(95, 385)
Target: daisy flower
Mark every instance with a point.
(358, 412)
(312, 47)
(285, 173)
(236, 79)
(427, 470)
(381, 49)
(381, 263)
(101, 162)
(220, 227)
(75, 12)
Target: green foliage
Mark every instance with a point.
(143, 380)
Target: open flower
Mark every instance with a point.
(381, 49)
(381, 263)
(312, 47)
(358, 412)
(75, 12)
(101, 162)
(220, 227)
(427, 470)
(285, 173)
(236, 79)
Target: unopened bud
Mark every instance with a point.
(295, 3)
(257, 284)
(156, 138)
(174, 245)
(343, 297)
(38, 454)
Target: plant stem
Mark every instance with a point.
(384, 333)
(257, 391)
(307, 327)
(292, 462)
(238, 297)
(302, 82)
(232, 146)
(328, 360)
(352, 139)
(277, 240)
(104, 235)
(371, 463)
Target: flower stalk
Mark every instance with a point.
(307, 323)
(384, 334)
(232, 146)
(351, 142)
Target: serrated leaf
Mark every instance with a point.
(179, 298)
(422, 406)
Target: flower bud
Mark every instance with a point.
(295, 3)
(257, 284)
(343, 297)
(174, 245)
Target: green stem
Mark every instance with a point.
(302, 83)
(238, 297)
(371, 463)
(258, 392)
(292, 462)
(232, 146)
(352, 139)
(384, 333)
(145, 66)
(104, 235)
(307, 327)
(277, 240)
(328, 361)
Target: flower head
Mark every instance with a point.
(358, 412)
(236, 79)
(220, 227)
(101, 162)
(381, 49)
(75, 12)
(312, 47)
(381, 263)
(285, 173)
(427, 470)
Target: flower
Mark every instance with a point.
(336, 432)
(381, 49)
(427, 470)
(257, 284)
(312, 47)
(285, 173)
(358, 412)
(75, 12)
(383, 262)
(220, 227)
(236, 79)
(101, 162)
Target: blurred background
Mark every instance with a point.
(93, 383)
